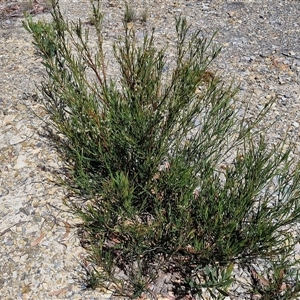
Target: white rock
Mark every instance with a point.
(16, 140)
(24, 258)
(20, 162)
(8, 119)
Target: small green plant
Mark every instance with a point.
(130, 14)
(279, 280)
(144, 16)
(165, 176)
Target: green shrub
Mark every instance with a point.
(165, 176)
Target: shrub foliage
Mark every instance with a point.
(167, 178)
